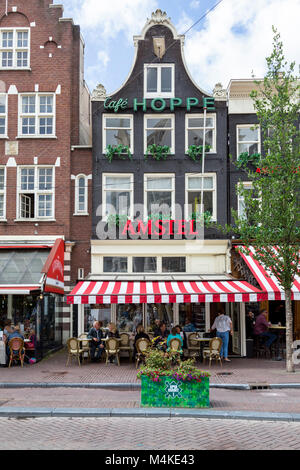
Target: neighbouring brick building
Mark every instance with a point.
(45, 165)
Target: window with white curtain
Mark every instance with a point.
(195, 183)
(159, 195)
(2, 193)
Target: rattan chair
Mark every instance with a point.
(175, 348)
(74, 350)
(112, 349)
(85, 345)
(16, 351)
(193, 346)
(213, 352)
(125, 345)
(141, 345)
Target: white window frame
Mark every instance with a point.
(104, 190)
(214, 191)
(258, 142)
(85, 210)
(117, 116)
(247, 185)
(4, 115)
(145, 255)
(159, 93)
(37, 115)
(160, 116)
(159, 175)
(36, 191)
(15, 49)
(3, 192)
(199, 116)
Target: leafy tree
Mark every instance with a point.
(272, 207)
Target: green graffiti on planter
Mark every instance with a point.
(175, 394)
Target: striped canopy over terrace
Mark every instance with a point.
(267, 281)
(127, 292)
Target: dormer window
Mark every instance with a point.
(159, 80)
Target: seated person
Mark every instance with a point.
(112, 331)
(172, 335)
(189, 326)
(15, 334)
(140, 333)
(183, 336)
(261, 328)
(8, 328)
(156, 329)
(96, 335)
(32, 340)
(161, 334)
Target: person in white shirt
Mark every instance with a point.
(223, 325)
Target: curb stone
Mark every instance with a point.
(14, 412)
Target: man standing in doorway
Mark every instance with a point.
(223, 325)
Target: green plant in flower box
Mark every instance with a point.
(195, 152)
(158, 152)
(245, 158)
(180, 386)
(122, 151)
(117, 220)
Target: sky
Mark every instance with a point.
(232, 41)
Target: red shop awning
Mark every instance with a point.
(267, 281)
(127, 292)
(54, 268)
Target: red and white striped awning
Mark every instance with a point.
(164, 292)
(267, 281)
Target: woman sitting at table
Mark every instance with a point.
(174, 335)
(140, 333)
(112, 331)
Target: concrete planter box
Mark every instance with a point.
(172, 393)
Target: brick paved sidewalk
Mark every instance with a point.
(274, 401)
(53, 369)
(146, 434)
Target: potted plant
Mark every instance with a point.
(182, 386)
(245, 158)
(195, 152)
(158, 152)
(122, 151)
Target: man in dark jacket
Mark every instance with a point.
(96, 335)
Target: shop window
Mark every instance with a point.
(159, 131)
(117, 131)
(115, 264)
(94, 313)
(81, 195)
(174, 264)
(163, 312)
(129, 316)
(194, 128)
(194, 185)
(159, 80)
(14, 48)
(159, 195)
(37, 115)
(248, 139)
(192, 316)
(117, 194)
(36, 193)
(3, 115)
(146, 264)
(2, 193)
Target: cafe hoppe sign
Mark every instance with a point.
(159, 104)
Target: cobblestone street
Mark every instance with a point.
(146, 433)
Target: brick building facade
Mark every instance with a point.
(45, 110)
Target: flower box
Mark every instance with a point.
(167, 391)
